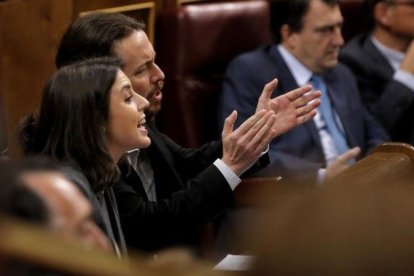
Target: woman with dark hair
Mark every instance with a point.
(89, 117)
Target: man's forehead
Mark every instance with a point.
(323, 15)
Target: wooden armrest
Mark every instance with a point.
(387, 164)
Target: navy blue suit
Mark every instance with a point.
(298, 153)
(389, 100)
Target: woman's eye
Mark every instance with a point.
(129, 99)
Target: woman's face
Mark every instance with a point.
(126, 124)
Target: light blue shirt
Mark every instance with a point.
(302, 75)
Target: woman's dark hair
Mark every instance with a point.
(94, 35)
(70, 126)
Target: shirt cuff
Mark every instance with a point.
(228, 174)
(405, 78)
(321, 177)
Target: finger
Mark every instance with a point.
(301, 111)
(244, 139)
(268, 89)
(350, 154)
(229, 124)
(298, 92)
(307, 98)
(304, 118)
(265, 141)
(249, 123)
(261, 137)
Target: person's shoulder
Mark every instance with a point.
(354, 49)
(252, 57)
(341, 73)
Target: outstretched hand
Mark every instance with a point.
(341, 163)
(243, 146)
(292, 108)
(408, 62)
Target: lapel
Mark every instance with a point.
(131, 178)
(375, 57)
(166, 176)
(288, 83)
(158, 147)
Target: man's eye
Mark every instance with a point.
(326, 30)
(140, 71)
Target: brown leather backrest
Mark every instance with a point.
(194, 44)
(3, 129)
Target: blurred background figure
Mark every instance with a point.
(306, 49)
(383, 63)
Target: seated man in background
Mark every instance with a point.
(307, 45)
(38, 191)
(383, 63)
(156, 205)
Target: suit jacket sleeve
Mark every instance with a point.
(191, 162)
(146, 222)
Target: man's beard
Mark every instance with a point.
(154, 105)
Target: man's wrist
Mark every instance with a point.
(230, 176)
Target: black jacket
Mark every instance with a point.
(190, 190)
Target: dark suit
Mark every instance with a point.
(297, 153)
(390, 101)
(183, 202)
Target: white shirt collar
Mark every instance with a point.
(394, 57)
(300, 72)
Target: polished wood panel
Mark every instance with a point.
(32, 247)
(142, 11)
(389, 163)
(31, 31)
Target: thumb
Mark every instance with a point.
(350, 154)
(268, 89)
(229, 124)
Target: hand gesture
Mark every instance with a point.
(292, 108)
(408, 62)
(243, 146)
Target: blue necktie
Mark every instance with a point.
(327, 114)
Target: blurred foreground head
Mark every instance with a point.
(36, 190)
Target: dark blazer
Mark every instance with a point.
(298, 153)
(390, 101)
(183, 203)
